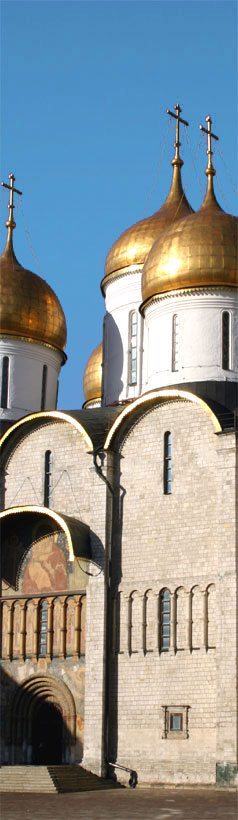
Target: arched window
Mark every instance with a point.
(5, 382)
(164, 619)
(225, 340)
(43, 387)
(167, 463)
(48, 479)
(43, 618)
(175, 342)
(132, 363)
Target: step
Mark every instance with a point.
(37, 779)
(26, 779)
(77, 779)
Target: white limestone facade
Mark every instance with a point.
(122, 299)
(184, 337)
(32, 377)
(182, 542)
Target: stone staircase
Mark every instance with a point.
(26, 779)
(39, 779)
(77, 779)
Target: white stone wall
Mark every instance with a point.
(77, 491)
(175, 541)
(25, 470)
(26, 361)
(122, 296)
(199, 337)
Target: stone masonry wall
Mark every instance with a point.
(171, 541)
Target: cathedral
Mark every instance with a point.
(118, 520)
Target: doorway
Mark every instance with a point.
(47, 732)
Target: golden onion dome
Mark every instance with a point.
(199, 251)
(29, 307)
(92, 380)
(134, 244)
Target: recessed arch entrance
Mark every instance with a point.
(41, 723)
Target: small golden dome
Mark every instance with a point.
(199, 251)
(92, 380)
(29, 307)
(134, 244)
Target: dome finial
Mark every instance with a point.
(10, 224)
(210, 171)
(177, 159)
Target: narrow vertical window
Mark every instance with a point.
(175, 342)
(57, 393)
(225, 340)
(48, 479)
(132, 370)
(5, 381)
(43, 618)
(164, 619)
(167, 463)
(43, 388)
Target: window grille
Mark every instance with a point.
(43, 619)
(48, 479)
(164, 619)
(167, 463)
(133, 332)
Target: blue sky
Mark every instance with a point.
(85, 87)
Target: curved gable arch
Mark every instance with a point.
(154, 398)
(56, 415)
(77, 533)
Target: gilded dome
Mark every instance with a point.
(92, 380)
(199, 251)
(29, 307)
(134, 244)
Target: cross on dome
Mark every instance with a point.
(10, 222)
(210, 171)
(177, 159)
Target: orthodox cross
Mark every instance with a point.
(209, 133)
(178, 121)
(10, 222)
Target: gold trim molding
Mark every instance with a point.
(43, 511)
(51, 414)
(162, 396)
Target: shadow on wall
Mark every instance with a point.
(38, 721)
(113, 361)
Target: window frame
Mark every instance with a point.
(43, 632)
(175, 343)
(44, 386)
(132, 348)
(164, 620)
(169, 712)
(48, 478)
(5, 382)
(226, 340)
(168, 463)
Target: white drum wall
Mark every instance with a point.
(26, 361)
(199, 337)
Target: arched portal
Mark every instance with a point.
(41, 723)
(47, 734)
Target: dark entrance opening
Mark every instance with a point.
(47, 735)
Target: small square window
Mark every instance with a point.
(176, 722)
